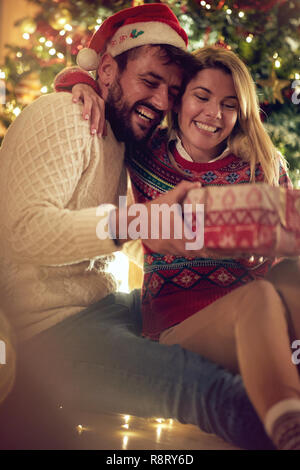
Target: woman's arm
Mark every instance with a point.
(85, 89)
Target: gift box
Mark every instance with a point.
(244, 219)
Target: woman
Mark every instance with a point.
(223, 309)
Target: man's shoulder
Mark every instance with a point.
(58, 101)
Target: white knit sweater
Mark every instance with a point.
(53, 175)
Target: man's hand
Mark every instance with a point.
(155, 224)
(93, 107)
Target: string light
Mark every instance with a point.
(125, 442)
(241, 14)
(2, 74)
(79, 428)
(228, 11)
(60, 55)
(26, 36)
(297, 76)
(249, 38)
(42, 40)
(48, 43)
(203, 3)
(207, 6)
(99, 21)
(16, 111)
(69, 40)
(44, 89)
(68, 27)
(62, 32)
(52, 51)
(277, 63)
(275, 55)
(19, 54)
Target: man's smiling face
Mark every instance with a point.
(142, 94)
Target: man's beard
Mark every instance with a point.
(119, 116)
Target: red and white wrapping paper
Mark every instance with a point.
(243, 219)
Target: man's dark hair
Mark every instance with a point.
(173, 55)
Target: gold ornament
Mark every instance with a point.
(276, 85)
(28, 89)
(28, 26)
(60, 18)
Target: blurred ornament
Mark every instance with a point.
(28, 25)
(276, 85)
(221, 43)
(136, 3)
(46, 30)
(58, 19)
(28, 88)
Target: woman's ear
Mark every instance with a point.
(107, 70)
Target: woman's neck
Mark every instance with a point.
(197, 155)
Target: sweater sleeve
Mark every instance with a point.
(44, 155)
(70, 76)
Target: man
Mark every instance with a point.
(79, 344)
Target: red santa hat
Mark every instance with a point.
(153, 23)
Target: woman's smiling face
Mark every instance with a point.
(207, 114)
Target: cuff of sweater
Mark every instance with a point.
(66, 79)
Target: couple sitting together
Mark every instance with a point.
(214, 351)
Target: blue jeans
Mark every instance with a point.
(96, 361)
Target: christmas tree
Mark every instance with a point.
(265, 34)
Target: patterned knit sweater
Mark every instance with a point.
(53, 175)
(174, 287)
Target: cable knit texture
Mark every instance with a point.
(53, 176)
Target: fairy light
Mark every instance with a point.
(241, 14)
(277, 63)
(297, 76)
(60, 55)
(48, 43)
(62, 32)
(249, 38)
(207, 6)
(79, 428)
(158, 433)
(124, 442)
(97, 27)
(69, 40)
(52, 51)
(42, 40)
(44, 89)
(68, 27)
(26, 36)
(275, 55)
(126, 418)
(202, 3)
(2, 74)
(228, 11)
(99, 20)
(16, 111)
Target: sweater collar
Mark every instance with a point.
(174, 137)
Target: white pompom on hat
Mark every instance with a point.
(153, 23)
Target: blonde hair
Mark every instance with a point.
(249, 139)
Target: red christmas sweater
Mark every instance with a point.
(175, 288)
